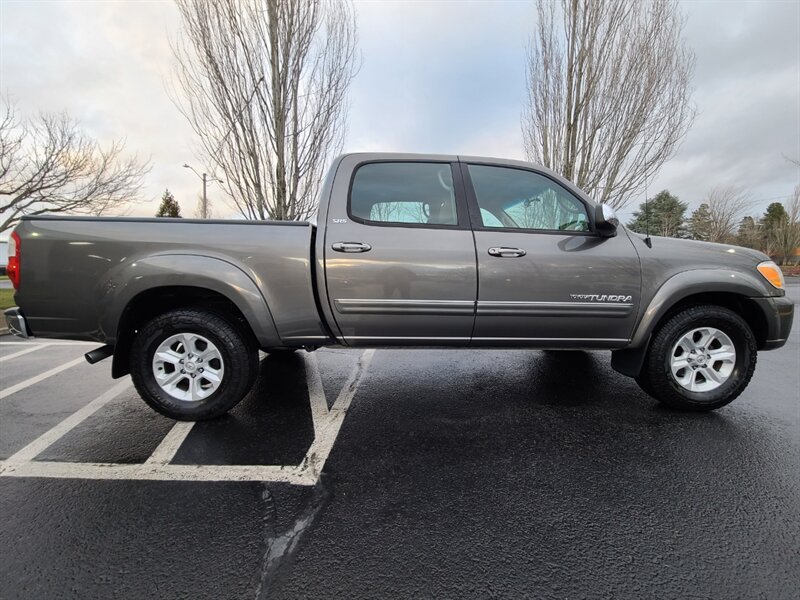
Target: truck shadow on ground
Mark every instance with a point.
(580, 378)
(566, 378)
(271, 426)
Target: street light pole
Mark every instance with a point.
(204, 177)
(204, 210)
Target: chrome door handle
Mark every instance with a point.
(351, 247)
(504, 252)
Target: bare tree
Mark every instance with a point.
(784, 236)
(726, 203)
(608, 92)
(794, 161)
(264, 86)
(48, 165)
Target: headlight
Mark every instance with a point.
(772, 273)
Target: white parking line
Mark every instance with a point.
(28, 350)
(316, 394)
(51, 343)
(44, 441)
(168, 447)
(65, 470)
(326, 429)
(29, 382)
(323, 442)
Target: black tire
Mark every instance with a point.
(236, 346)
(656, 378)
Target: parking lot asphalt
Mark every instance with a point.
(424, 473)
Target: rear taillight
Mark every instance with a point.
(12, 270)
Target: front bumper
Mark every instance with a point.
(16, 322)
(780, 314)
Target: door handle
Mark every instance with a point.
(503, 252)
(351, 247)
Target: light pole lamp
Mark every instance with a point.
(204, 177)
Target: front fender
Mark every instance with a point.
(689, 283)
(132, 278)
(629, 360)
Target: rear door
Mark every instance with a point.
(400, 261)
(546, 278)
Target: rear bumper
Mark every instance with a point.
(780, 314)
(16, 322)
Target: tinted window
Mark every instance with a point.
(420, 193)
(525, 200)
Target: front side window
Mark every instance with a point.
(404, 192)
(518, 199)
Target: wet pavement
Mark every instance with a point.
(454, 474)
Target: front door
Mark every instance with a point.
(400, 265)
(545, 278)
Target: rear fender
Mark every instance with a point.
(166, 270)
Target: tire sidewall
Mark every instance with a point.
(739, 333)
(144, 348)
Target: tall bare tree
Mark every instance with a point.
(264, 85)
(609, 86)
(726, 203)
(48, 165)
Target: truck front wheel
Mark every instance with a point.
(702, 358)
(192, 365)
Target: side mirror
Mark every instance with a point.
(606, 221)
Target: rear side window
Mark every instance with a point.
(519, 199)
(404, 193)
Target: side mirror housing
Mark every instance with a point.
(606, 221)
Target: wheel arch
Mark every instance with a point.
(730, 289)
(155, 284)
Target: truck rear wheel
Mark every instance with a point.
(192, 365)
(700, 359)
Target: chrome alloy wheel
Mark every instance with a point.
(703, 359)
(188, 367)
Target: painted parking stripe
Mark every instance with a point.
(158, 468)
(50, 343)
(27, 350)
(153, 472)
(323, 442)
(316, 394)
(41, 377)
(166, 450)
(47, 439)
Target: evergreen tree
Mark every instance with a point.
(749, 234)
(700, 223)
(782, 230)
(169, 206)
(774, 216)
(665, 213)
(771, 223)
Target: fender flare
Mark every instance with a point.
(134, 277)
(629, 360)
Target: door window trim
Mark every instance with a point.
(475, 210)
(459, 191)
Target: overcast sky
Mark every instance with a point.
(436, 77)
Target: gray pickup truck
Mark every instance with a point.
(406, 250)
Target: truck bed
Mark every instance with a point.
(78, 272)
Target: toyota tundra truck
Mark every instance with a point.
(405, 251)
